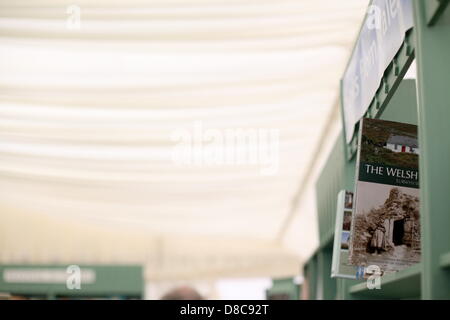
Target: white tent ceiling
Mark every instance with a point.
(87, 118)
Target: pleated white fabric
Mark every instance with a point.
(92, 94)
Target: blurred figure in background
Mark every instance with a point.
(182, 293)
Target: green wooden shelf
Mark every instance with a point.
(107, 281)
(434, 9)
(423, 101)
(399, 285)
(445, 260)
(283, 289)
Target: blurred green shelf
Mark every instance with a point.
(445, 260)
(399, 285)
(423, 101)
(283, 289)
(434, 9)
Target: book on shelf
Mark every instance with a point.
(385, 228)
(340, 268)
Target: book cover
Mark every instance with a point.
(386, 225)
(340, 268)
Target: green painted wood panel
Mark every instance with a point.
(433, 67)
(284, 288)
(109, 281)
(330, 182)
(328, 284)
(311, 277)
(403, 106)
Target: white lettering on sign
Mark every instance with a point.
(45, 275)
(381, 37)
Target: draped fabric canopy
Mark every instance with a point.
(92, 94)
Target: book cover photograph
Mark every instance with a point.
(385, 224)
(340, 268)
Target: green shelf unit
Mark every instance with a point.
(426, 103)
(283, 289)
(404, 284)
(434, 9)
(433, 82)
(49, 281)
(311, 276)
(339, 173)
(329, 183)
(445, 260)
